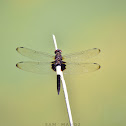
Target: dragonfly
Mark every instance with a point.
(45, 63)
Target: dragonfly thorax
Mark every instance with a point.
(58, 61)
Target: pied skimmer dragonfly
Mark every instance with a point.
(70, 64)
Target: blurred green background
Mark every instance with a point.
(97, 98)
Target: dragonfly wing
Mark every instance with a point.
(80, 68)
(36, 67)
(81, 56)
(35, 55)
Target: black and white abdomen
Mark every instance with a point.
(63, 66)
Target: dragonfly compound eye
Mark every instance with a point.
(55, 51)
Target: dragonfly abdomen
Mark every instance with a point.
(58, 84)
(63, 66)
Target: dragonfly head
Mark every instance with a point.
(58, 50)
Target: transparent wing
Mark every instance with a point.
(36, 67)
(35, 55)
(80, 68)
(81, 56)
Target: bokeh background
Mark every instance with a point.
(97, 98)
